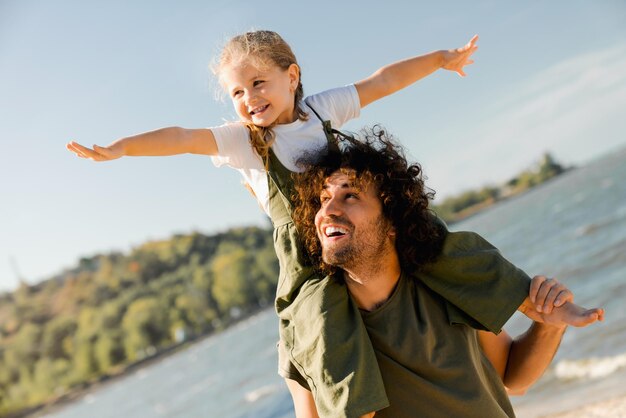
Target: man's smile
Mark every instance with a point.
(334, 231)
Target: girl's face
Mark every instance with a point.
(262, 96)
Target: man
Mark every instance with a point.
(364, 216)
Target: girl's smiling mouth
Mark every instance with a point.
(258, 110)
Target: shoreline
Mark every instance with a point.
(76, 394)
(610, 408)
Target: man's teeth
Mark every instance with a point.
(333, 231)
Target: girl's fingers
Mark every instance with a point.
(77, 146)
(95, 154)
(90, 153)
(100, 150)
(472, 43)
(75, 150)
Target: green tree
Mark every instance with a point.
(26, 344)
(232, 287)
(144, 326)
(57, 332)
(85, 365)
(109, 350)
(49, 377)
(265, 277)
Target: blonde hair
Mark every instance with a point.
(263, 48)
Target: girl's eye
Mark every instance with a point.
(352, 196)
(237, 93)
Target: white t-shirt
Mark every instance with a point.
(292, 140)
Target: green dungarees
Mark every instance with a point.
(324, 345)
(323, 342)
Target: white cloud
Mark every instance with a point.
(575, 109)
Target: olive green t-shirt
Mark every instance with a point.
(430, 368)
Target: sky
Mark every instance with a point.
(548, 77)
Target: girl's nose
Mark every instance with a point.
(250, 96)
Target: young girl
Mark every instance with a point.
(323, 346)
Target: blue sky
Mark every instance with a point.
(549, 76)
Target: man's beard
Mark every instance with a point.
(363, 250)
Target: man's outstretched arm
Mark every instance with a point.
(520, 362)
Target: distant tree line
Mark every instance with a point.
(112, 310)
(459, 207)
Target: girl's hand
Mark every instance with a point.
(456, 59)
(96, 153)
(547, 294)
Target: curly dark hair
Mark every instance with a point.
(373, 157)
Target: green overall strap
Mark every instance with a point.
(330, 132)
(279, 178)
(280, 186)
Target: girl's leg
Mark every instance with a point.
(303, 402)
(324, 346)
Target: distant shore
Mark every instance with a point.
(612, 408)
(458, 208)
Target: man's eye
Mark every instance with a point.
(258, 82)
(352, 195)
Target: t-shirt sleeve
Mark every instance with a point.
(339, 105)
(471, 274)
(233, 147)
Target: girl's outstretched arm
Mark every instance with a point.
(396, 76)
(166, 141)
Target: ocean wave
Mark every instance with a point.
(606, 183)
(261, 392)
(617, 217)
(590, 368)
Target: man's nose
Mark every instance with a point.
(332, 206)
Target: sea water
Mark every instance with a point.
(572, 228)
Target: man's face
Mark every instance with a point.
(350, 224)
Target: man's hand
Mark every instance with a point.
(456, 59)
(548, 294)
(552, 303)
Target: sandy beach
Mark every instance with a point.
(612, 408)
